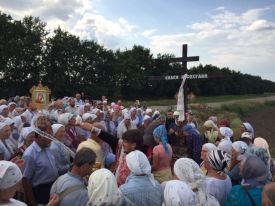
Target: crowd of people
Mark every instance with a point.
(82, 152)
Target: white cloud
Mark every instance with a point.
(148, 33)
(243, 42)
(112, 34)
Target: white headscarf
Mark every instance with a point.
(225, 145)
(249, 128)
(138, 164)
(189, 172)
(102, 189)
(2, 125)
(86, 116)
(209, 146)
(9, 121)
(56, 127)
(226, 132)
(64, 118)
(2, 107)
(23, 135)
(10, 174)
(178, 193)
(239, 146)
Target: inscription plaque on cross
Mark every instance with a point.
(184, 59)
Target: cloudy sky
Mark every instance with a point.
(235, 34)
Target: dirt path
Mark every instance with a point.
(218, 104)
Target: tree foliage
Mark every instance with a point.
(67, 65)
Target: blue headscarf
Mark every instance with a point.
(161, 133)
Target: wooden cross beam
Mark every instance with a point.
(184, 59)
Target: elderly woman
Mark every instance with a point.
(263, 155)
(247, 127)
(218, 183)
(211, 131)
(140, 187)
(61, 155)
(26, 139)
(188, 171)
(162, 155)
(207, 147)
(238, 148)
(225, 144)
(68, 120)
(10, 182)
(178, 193)
(6, 151)
(103, 189)
(249, 191)
(262, 143)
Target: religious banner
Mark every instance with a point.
(180, 104)
(40, 96)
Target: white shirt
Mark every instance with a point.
(218, 188)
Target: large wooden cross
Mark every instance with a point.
(184, 59)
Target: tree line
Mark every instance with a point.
(66, 64)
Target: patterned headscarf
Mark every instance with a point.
(178, 193)
(240, 147)
(161, 133)
(261, 142)
(218, 159)
(188, 171)
(103, 189)
(10, 174)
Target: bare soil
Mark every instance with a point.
(263, 122)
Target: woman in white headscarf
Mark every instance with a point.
(207, 147)
(188, 171)
(10, 180)
(6, 151)
(211, 131)
(178, 193)
(61, 155)
(125, 125)
(26, 138)
(261, 142)
(247, 127)
(225, 133)
(103, 190)
(68, 120)
(140, 187)
(238, 148)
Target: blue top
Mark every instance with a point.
(235, 175)
(140, 191)
(40, 165)
(62, 157)
(238, 196)
(68, 180)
